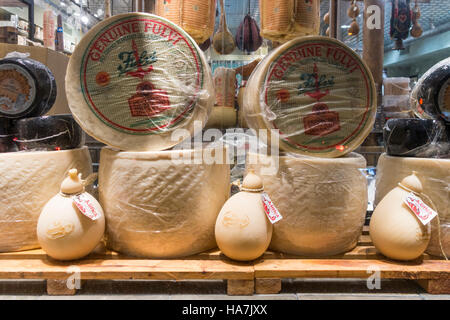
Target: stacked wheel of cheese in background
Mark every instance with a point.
(29, 179)
(320, 97)
(423, 145)
(139, 83)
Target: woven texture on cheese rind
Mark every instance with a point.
(157, 208)
(283, 20)
(196, 17)
(29, 180)
(138, 108)
(323, 202)
(435, 177)
(329, 119)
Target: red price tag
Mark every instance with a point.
(423, 212)
(85, 206)
(270, 209)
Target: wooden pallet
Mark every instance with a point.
(261, 276)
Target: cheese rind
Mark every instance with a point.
(158, 208)
(430, 97)
(323, 202)
(435, 177)
(317, 92)
(135, 78)
(29, 180)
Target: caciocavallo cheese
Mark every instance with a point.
(162, 204)
(435, 177)
(135, 78)
(29, 180)
(317, 92)
(323, 201)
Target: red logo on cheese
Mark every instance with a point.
(283, 95)
(321, 121)
(102, 78)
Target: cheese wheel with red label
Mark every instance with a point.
(323, 202)
(134, 79)
(317, 92)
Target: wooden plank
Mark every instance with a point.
(240, 287)
(364, 240)
(46, 268)
(57, 287)
(267, 286)
(440, 286)
(339, 268)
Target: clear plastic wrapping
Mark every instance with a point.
(162, 204)
(323, 201)
(428, 97)
(435, 177)
(421, 138)
(136, 78)
(29, 180)
(317, 93)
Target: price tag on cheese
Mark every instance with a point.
(85, 206)
(419, 208)
(270, 209)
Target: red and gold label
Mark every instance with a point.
(141, 75)
(320, 94)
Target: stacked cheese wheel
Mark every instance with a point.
(162, 204)
(430, 98)
(29, 180)
(435, 177)
(315, 98)
(323, 201)
(317, 93)
(136, 78)
(140, 83)
(223, 114)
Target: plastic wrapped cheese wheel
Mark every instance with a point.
(323, 201)
(435, 177)
(134, 79)
(430, 97)
(317, 93)
(27, 88)
(162, 204)
(29, 180)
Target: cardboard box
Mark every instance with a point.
(55, 61)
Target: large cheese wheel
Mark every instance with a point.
(430, 98)
(135, 78)
(29, 180)
(158, 206)
(317, 92)
(435, 177)
(323, 201)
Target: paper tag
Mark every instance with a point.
(270, 209)
(86, 207)
(420, 209)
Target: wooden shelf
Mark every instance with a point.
(243, 278)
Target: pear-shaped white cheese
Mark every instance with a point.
(243, 231)
(395, 230)
(64, 233)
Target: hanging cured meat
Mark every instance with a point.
(400, 22)
(247, 35)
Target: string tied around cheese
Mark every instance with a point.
(423, 195)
